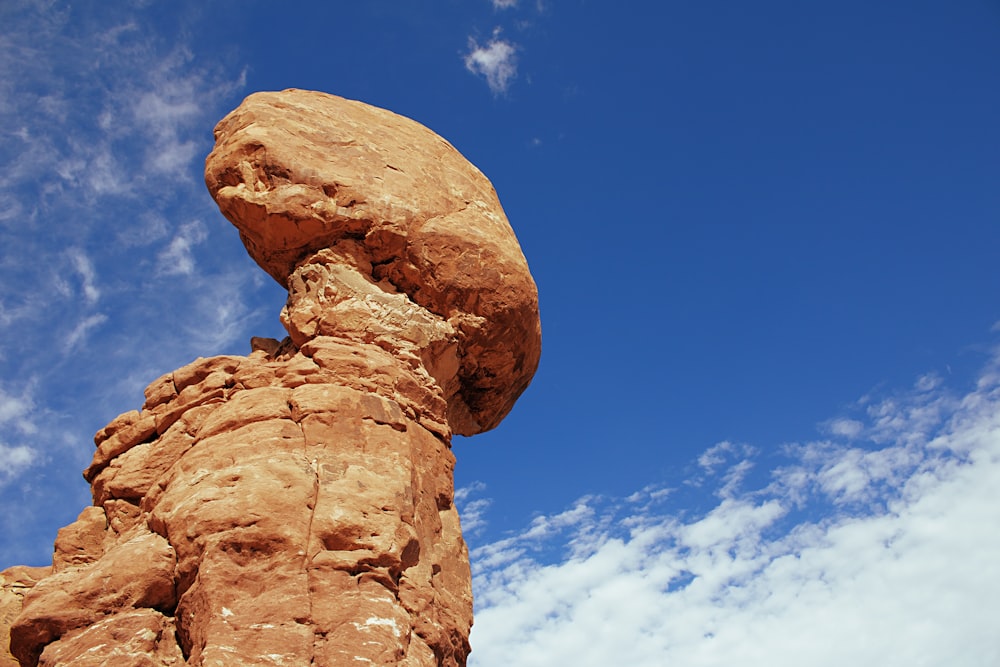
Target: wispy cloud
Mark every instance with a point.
(136, 106)
(16, 410)
(17, 420)
(733, 460)
(171, 106)
(504, 4)
(105, 113)
(472, 509)
(102, 123)
(721, 453)
(177, 259)
(81, 330)
(149, 227)
(15, 459)
(88, 277)
(496, 61)
(897, 571)
(220, 311)
(843, 427)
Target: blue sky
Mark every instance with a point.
(766, 425)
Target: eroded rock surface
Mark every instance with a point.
(300, 171)
(14, 583)
(295, 506)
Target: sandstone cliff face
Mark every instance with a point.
(14, 583)
(295, 507)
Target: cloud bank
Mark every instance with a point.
(878, 546)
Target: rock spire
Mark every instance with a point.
(296, 506)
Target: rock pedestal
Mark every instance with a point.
(295, 506)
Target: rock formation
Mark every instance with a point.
(14, 583)
(295, 506)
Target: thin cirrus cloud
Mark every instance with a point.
(88, 276)
(135, 106)
(16, 411)
(171, 106)
(95, 112)
(220, 313)
(81, 330)
(899, 568)
(102, 211)
(17, 420)
(177, 258)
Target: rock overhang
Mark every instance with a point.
(299, 172)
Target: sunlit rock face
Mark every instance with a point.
(295, 506)
(398, 207)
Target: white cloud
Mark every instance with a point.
(504, 4)
(149, 227)
(899, 570)
(15, 459)
(88, 277)
(472, 510)
(177, 259)
(106, 172)
(722, 452)
(464, 493)
(736, 459)
(648, 496)
(17, 415)
(174, 104)
(104, 114)
(928, 382)
(166, 111)
(16, 411)
(82, 330)
(99, 102)
(496, 61)
(472, 515)
(106, 120)
(844, 427)
(219, 312)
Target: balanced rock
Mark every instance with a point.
(295, 506)
(300, 171)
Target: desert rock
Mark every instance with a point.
(298, 171)
(295, 506)
(14, 583)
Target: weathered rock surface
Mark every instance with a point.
(14, 583)
(295, 506)
(300, 171)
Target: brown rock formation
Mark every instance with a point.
(295, 507)
(14, 583)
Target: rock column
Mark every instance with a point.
(295, 507)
